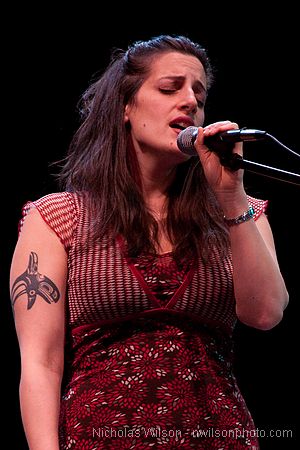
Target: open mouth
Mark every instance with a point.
(178, 126)
(181, 123)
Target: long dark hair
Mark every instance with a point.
(102, 163)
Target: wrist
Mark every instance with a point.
(241, 218)
(233, 205)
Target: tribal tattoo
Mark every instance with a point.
(32, 283)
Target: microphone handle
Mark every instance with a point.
(219, 146)
(224, 150)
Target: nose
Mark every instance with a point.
(188, 101)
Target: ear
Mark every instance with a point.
(126, 113)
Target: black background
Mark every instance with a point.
(50, 58)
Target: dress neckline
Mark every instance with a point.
(139, 277)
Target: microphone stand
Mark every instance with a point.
(235, 161)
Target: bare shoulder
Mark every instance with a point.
(38, 283)
(37, 238)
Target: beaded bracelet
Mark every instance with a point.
(247, 215)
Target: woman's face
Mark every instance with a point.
(170, 99)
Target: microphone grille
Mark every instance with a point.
(186, 139)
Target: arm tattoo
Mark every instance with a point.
(32, 283)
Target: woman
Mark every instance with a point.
(127, 285)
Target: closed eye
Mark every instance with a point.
(168, 91)
(200, 102)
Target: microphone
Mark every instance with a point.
(221, 143)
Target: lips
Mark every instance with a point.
(181, 123)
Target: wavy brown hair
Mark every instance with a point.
(101, 162)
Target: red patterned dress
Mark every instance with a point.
(149, 345)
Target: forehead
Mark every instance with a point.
(177, 64)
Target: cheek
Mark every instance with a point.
(144, 118)
(200, 118)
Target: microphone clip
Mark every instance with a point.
(232, 161)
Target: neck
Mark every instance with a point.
(157, 175)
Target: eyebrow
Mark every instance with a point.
(198, 85)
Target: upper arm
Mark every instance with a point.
(38, 287)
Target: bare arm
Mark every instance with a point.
(38, 280)
(260, 291)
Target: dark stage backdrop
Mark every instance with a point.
(52, 57)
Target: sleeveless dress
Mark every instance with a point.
(149, 352)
